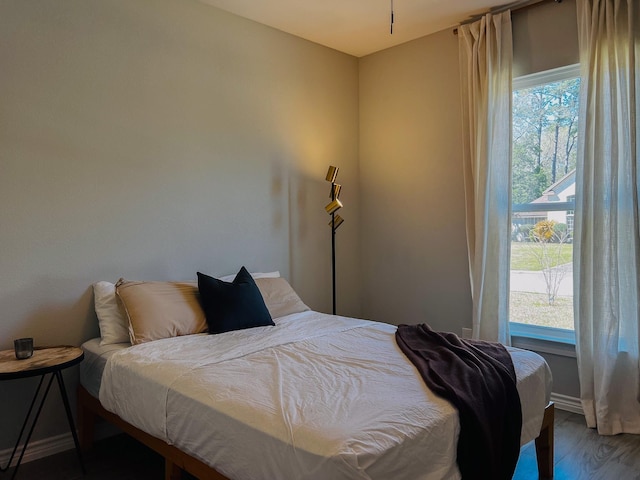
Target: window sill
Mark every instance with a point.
(556, 341)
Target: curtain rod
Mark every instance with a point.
(521, 5)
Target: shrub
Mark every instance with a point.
(526, 231)
(543, 231)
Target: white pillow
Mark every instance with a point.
(279, 297)
(229, 278)
(114, 327)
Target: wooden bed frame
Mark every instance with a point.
(176, 461)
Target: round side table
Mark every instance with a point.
(45, 360)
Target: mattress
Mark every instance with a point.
(315, 397)
(95, 359)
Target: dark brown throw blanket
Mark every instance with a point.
(478, 378)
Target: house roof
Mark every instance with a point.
(551, 193)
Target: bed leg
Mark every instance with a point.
(544, 444)
(86, 422)
(171, 470)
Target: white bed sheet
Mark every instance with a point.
(315, 397)
(95, 359)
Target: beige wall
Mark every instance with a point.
(414, 257)
(545, 36)
(151, 139)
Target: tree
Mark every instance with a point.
(545, 121)
(569, 116)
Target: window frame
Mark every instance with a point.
(558, 341)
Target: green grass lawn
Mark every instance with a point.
(534, 309)
(524, 255)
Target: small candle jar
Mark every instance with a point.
(23, 348)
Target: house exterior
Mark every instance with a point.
(560, 192)
(564, 190)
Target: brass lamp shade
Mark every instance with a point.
(333, 206)
(335, 190)
(332, 173)
(336, 222)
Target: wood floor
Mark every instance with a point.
(580, 454)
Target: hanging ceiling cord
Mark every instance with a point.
(391, 17)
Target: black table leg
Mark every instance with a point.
(33, 425)
(24, 425)
(65, 400)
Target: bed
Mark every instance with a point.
(314, 396)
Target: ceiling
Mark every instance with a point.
(357, 27)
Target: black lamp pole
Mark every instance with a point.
(333, 248)
(336, 221)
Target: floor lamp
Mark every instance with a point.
(336, 221)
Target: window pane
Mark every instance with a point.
(545, 121)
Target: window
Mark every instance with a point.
(571, 199)
(545, 128)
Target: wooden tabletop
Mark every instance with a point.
(43, 360)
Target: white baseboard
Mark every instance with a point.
(39, 449)
(50, 446)
(567, 403)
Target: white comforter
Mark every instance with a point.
(315, 397)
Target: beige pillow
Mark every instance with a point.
(279, 297)
(158, 310)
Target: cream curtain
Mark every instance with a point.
(607, 228)
(486, 53)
